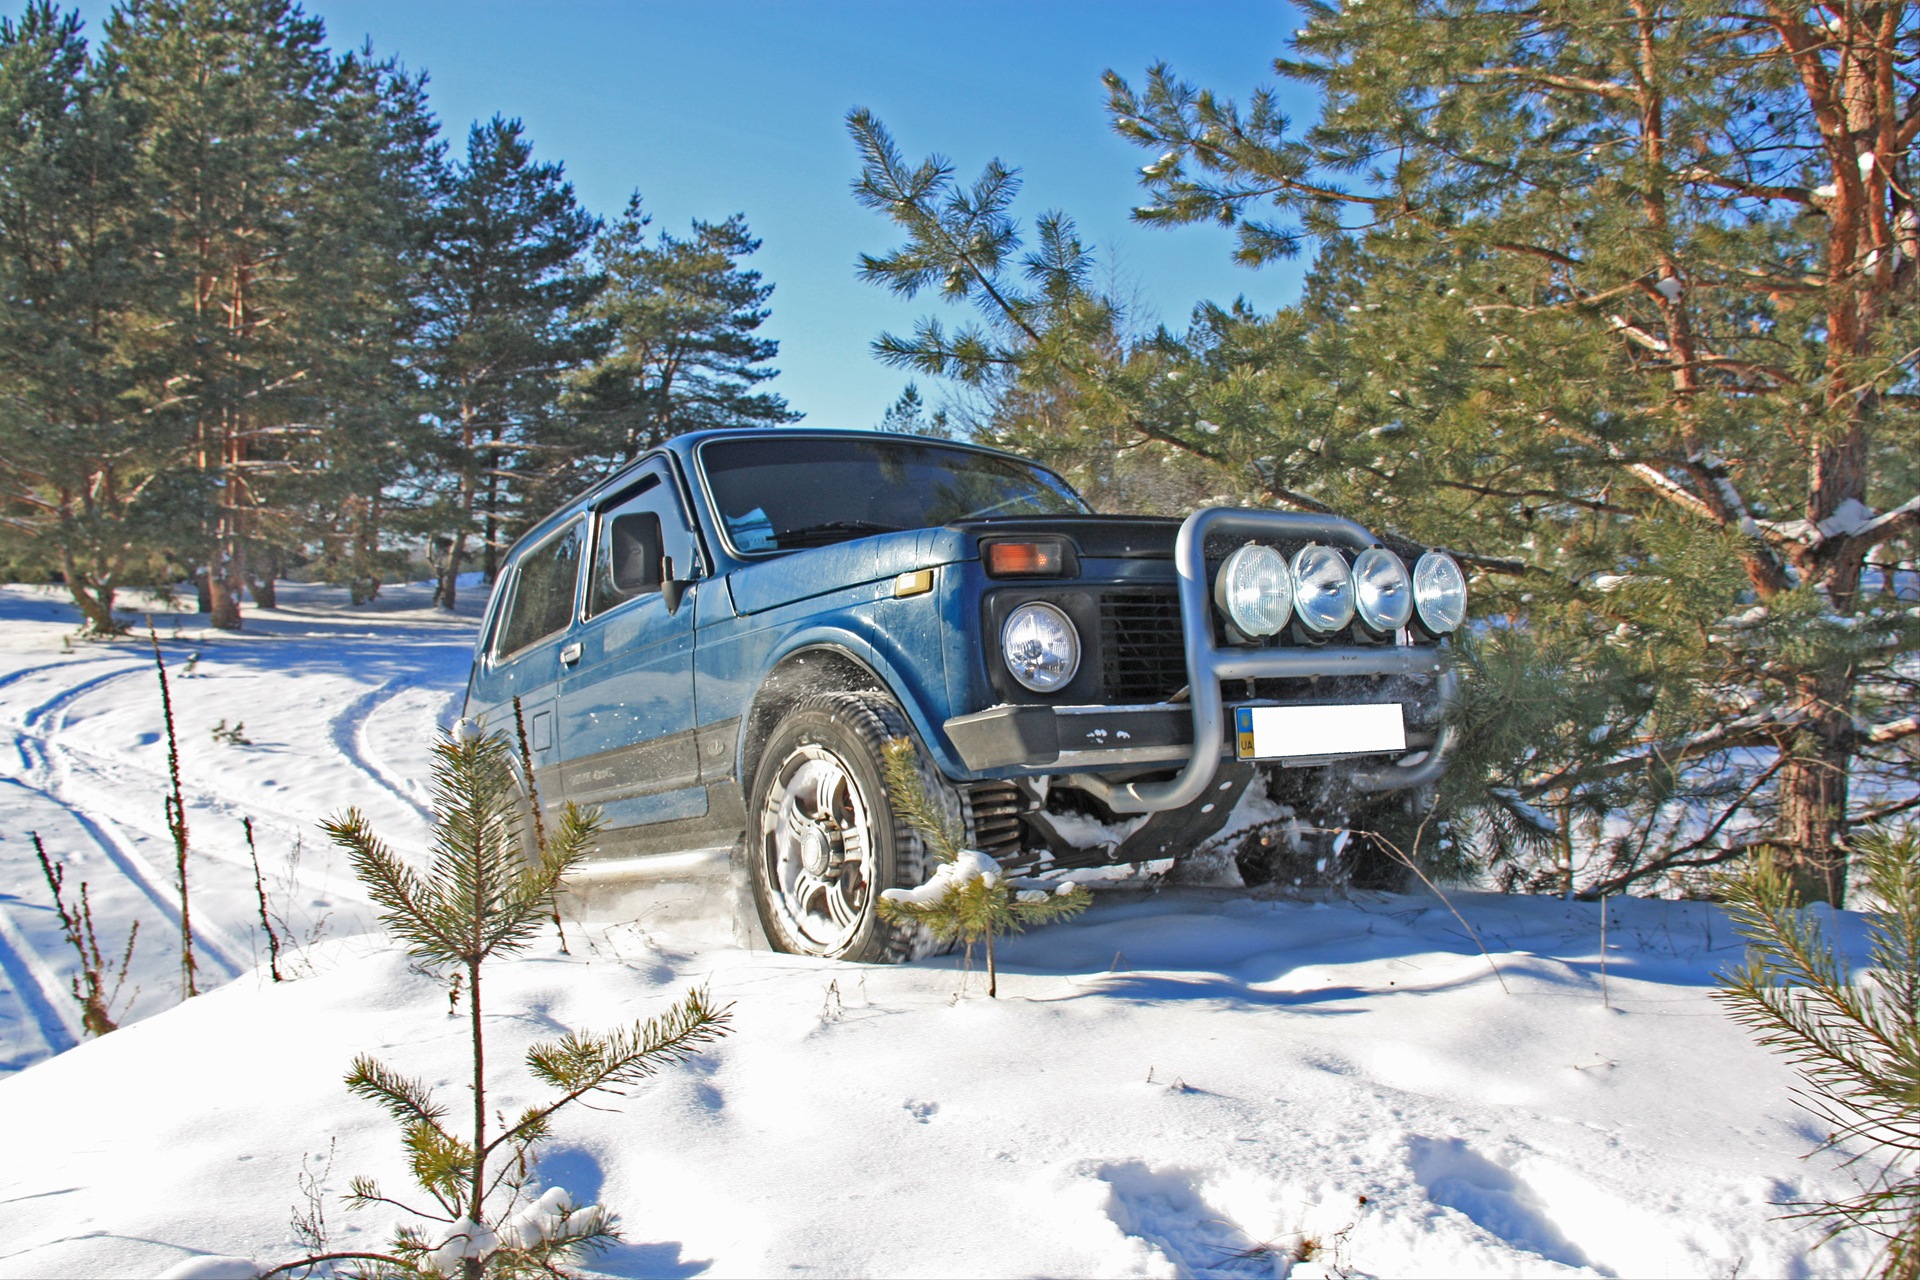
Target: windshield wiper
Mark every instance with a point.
(833, 531)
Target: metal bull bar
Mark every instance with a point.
(1208, 663)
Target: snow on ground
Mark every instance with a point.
(1189, 1082)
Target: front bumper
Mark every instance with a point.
(1073, 737)
(1106, 737)
(1103, 737)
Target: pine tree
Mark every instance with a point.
(484, 897)
(679, 320)
(280, 186)
(1854, 1033)
(969, 899)
(498, 335)
(367, 419)
(1620, 307)
(87, 477)
(1641, 285)
(206, 236)
(910, 416)
(1053, 368)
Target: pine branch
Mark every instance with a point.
(579, 1064)
(406, 1100)
(1573, 84)
(942, 832)
(394, 886)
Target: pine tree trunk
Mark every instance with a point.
(448, 592)
(223, 591)
(227, 567)
(366, 577)
(1813, 798)
(94, 600)
(490, 548)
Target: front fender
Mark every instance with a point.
(897, 643)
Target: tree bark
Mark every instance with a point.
(490, 548)
(448, 591)
(223, 602)
(225, 581)
(261, 585)
(94, 599)
(1812, 825)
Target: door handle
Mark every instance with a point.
(570, 654)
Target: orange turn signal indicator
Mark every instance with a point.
(1025, 559)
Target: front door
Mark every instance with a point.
(626, 697)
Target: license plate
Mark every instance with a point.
(1290, 733)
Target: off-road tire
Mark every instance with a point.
(836, 738)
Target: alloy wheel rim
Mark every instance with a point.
(817, 849)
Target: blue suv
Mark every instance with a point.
(713, 645)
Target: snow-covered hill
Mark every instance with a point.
(1184, 1082)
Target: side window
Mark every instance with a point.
(642, 538)
(543, 591)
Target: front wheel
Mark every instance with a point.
(823, 840)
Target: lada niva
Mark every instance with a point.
(713, 645)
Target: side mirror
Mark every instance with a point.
(635, 552)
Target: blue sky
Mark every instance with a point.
(710, 109)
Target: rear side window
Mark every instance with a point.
(543, 591)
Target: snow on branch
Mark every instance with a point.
(1894, 730)
(1860, 528)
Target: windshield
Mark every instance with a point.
(781, 492)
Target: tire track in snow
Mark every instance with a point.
(15, 677)
(67, 696)
(39, 991)
(158, 890)
(50, 761)
(348, 731)
(52, 766)
(32, 715)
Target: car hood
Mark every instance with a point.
(801, 575)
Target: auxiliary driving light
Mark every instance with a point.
(1255, 590)
(1440, 592)
(1382, 591)
(1322, 589)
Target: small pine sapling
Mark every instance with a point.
(260, 894)
(97, 988)
(485, 897)
(533, 807)
(1854, 1034)
(176, 808)
(969, 897)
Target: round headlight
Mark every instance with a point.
(1255, 590)
(1439, 592)
(1040, 646)
(1322, 588)
(1382, 592)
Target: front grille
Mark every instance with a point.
(1143, 655)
